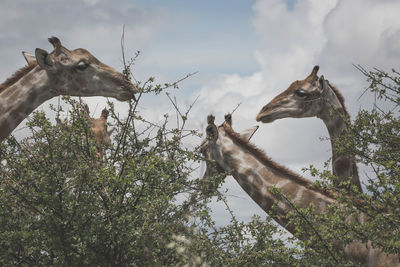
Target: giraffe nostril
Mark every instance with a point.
(265, 108)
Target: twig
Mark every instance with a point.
(304, 217)
(123, 45)
(175, 84)
(236, 108)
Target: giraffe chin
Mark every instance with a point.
(124, 96)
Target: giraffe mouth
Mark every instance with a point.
(279, 113)
(265, 115)
(127, 92)
(269, 115)
(264, 118)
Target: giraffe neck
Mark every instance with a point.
(257, 175)
(258, 178)
(19, 99)
(334, 122)
(333, 114)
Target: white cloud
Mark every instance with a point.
(91, 2)
(92, 24)
(328, 33)
(291, 42)
(333, 34)
(361, 32)
(26, 25)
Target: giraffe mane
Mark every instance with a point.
(264, 159)
(16, 76)
(340, 97)
(346, 113)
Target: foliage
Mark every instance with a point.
(143, 204)
(140, 205)
(373, 139)
(62, 205)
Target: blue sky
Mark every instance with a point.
(245, 52)
(210, 37)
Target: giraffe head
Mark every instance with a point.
(99, 129)
(79, 73)
(305, 98)
(218, 146)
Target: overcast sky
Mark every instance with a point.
(244, 51)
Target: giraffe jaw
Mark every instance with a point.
(124, 96)
(278, 113)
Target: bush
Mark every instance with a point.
(143, 205)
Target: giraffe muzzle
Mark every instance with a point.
(264, 115)
(125, 95)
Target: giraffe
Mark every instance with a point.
(100, 132)
(256, 173)
(98, 126)
(316, 97)
(61, 72)
(98, 129)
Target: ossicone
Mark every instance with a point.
(228, 119)
(210, 119)
(315, 70)
(55, 42)
(313, 75)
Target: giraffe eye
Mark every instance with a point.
(81, 66)
(300, 93)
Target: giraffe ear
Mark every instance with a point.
(104, 113)
(322, 83)
(43, 59)
(110, 130)
(30, 59)
(86, 109)
(228, 119)
(248, 133)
